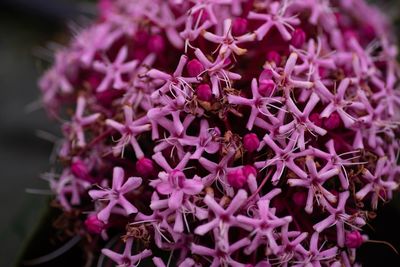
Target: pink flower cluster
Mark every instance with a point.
(228, 132)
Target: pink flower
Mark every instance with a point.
(206, 141)
(314, 255)
(116, 195)
(177, 186)
(263, 226)
(284, 158)
(275, 18)
(259, 104)
(76, 127)
(126, 259)
(227, 42)
(113, 71)
(217, 71)
(375, 184)
(314, 183)
(173, 82)
(339, 218)
(301, 122)
(223, 218)
(129, 132)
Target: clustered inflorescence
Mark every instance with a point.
(227, 132)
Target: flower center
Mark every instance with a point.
(177, 178)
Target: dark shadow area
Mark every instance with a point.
(385, 227)
(25, 26)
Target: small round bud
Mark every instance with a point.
(251, 142)
(79, 169)
(194, 67)
(156, 44)
(266, 87)
(316, 119)
(94, 225)
(298, 38)
(239, 26)
(204, 92)
(332, 122)
(273, 56)
(265, 75)
(144, 167)
(249, 170)
(354, 239)
(236, 178)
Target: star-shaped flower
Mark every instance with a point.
(76, 127)
(129, 132)
(126, 259)
(113, 71)
(115, 196)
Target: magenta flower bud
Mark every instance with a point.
(265, 76)
(299, 199)
(239, 26)
(251, 142)
(144, 167)
(249, 170)
(236, 178)
(298, 38)
(204, 92)
(194, 68)
(332, 122)
(94, 225)
(79, 169)
(354, 239)
(316, 119)
(267, 87)
(273, 56)
(156, 44)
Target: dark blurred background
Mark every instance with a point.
(26, 26)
